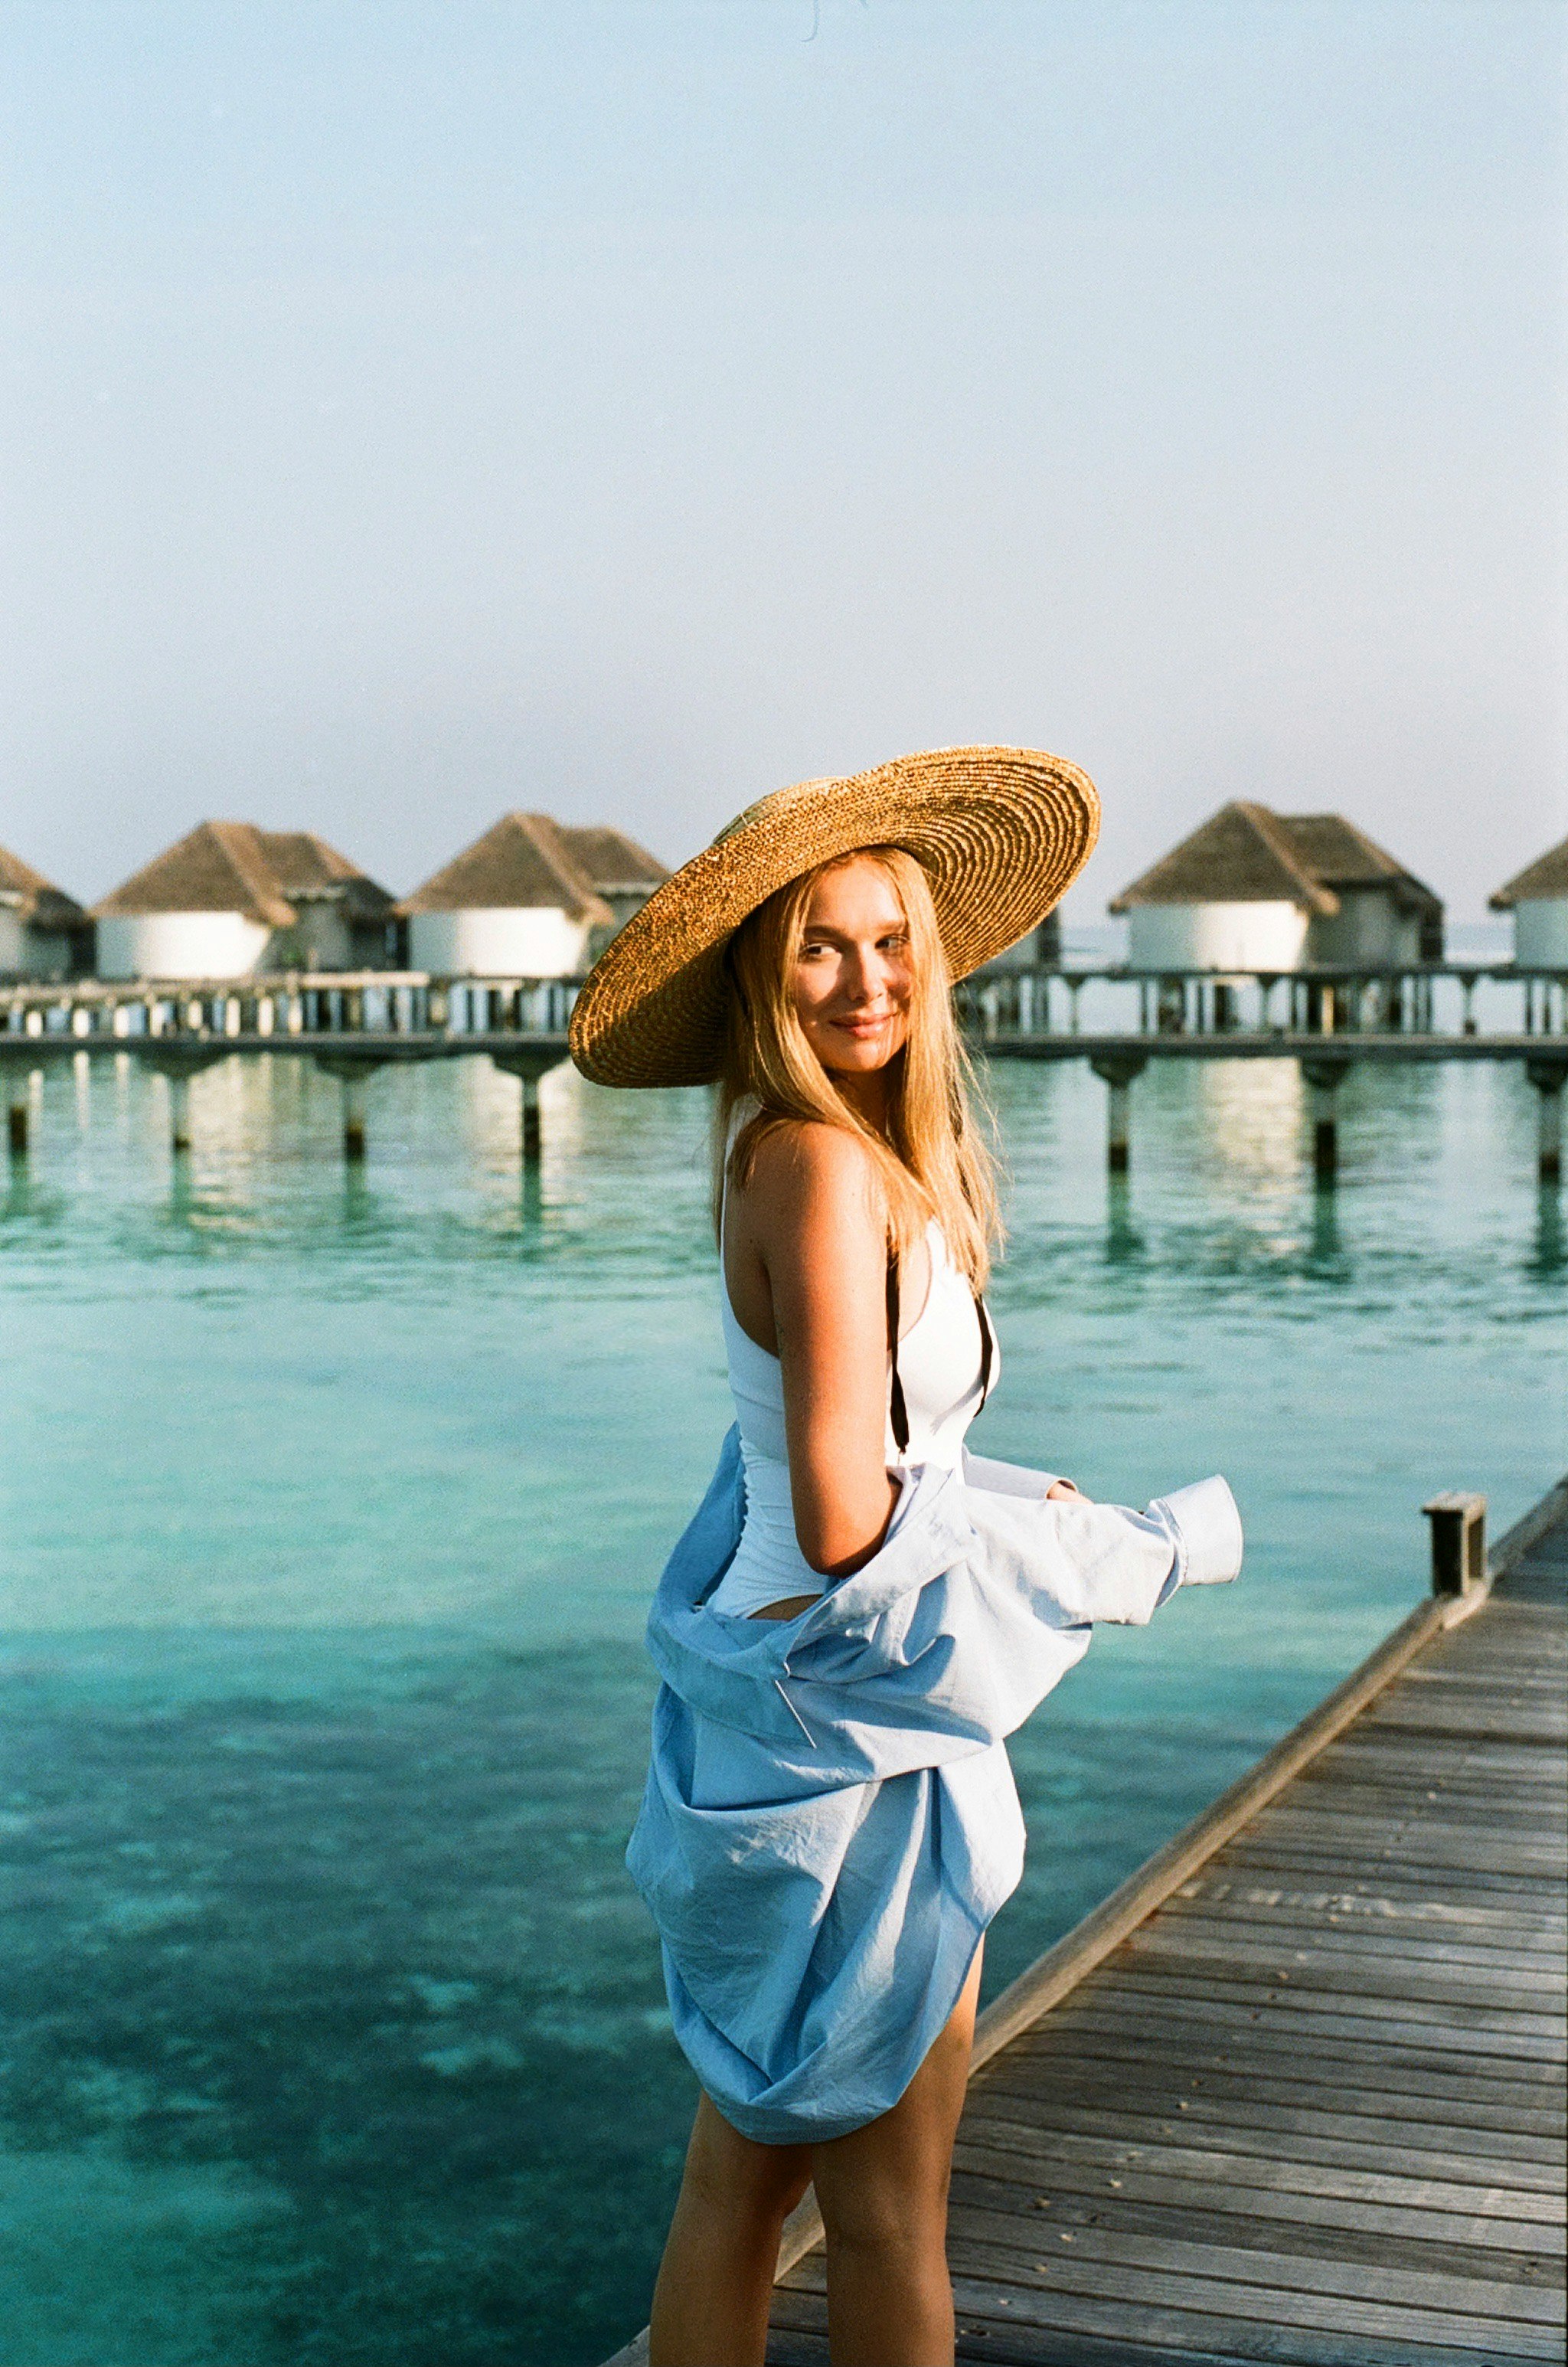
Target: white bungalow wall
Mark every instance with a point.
(514, 941)
(1216, 937)
(180, 945)
(1540, 933)
(1367, 927)
(13, 945)
(320, 939)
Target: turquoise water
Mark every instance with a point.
(331, 1505)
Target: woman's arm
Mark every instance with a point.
(813, 1214)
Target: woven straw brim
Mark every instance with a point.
(1000, 833)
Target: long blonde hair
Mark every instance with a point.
(934, 1161)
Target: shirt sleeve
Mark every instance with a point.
(1204, 1527)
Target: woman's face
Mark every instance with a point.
(853, 979)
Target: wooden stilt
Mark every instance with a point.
(1118, 1073)
(1547, 1078)
(1324, 1078)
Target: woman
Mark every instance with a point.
(860, 1610)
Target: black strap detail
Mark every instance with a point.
(898, 1411)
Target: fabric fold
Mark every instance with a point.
(830, 1820)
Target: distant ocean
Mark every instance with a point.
(335, 2033)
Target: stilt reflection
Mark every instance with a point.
(1124, 1241)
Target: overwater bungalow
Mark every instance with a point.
(1252, 889)
(229, 900)
(1041, 949)
(1538, 898)
(531, 899)
(44, 933)
(617, 868)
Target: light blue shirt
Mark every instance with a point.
(830, 1819)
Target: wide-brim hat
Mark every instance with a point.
(1000, 833)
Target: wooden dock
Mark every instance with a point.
(1295, 2091)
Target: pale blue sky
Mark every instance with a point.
(414, 408)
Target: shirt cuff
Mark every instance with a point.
(1207, 1527)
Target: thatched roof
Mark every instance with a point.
(37, 901)
(232, 866)
(1339, 856)
(1246, 853)
(308, 871)
(616, 864)
(1240, 855)
(1544, 879)
(525, 859)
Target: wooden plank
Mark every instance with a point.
(1415, 1845)
(1300, 2174)
(1136, 2182)
(1436, 2288)
(1134, 2126)
(1483, 1664)
(1241, 2107)
(1223, 1887)
(1507, 2037)
(798, 2338)
(1350, 1972)
(1432, 1910)
(1239, 2033)
(1135, 1971)
(1490, 1950)
(1354, 2250)
(1521, 1725)
(1386, 1872)
(1528, 1808)
(1527, 2115)
(1147, 2285)
(1364, 1805)
(1536, 1974)
(1297, 2050)
(1387, 1755)
(1362, 1791)
(1174, 2311)
(1482, 1880)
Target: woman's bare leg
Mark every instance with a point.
(884, 2196)
(710, 2305)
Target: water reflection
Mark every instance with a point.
(1326, 1257)
(1548, 1243)
(1250, 1113)
(1124, 1243)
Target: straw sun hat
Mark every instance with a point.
(1000, 833)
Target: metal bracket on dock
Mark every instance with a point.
(1458, 1541)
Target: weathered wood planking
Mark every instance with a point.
(1295, 2092)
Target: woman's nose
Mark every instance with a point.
(865, 974)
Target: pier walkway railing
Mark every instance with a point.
(1117, 1019)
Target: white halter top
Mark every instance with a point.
(939, 1364)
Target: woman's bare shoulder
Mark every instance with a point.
(806, 1170)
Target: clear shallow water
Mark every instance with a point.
(332, 1507)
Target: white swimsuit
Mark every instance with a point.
(941, 1366)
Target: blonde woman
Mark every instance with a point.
(860, 1610)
